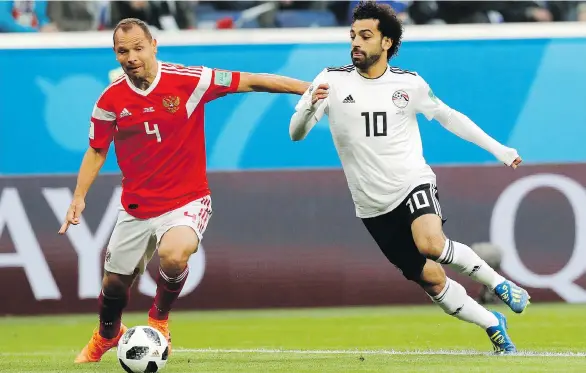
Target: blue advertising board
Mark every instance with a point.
(527, 93)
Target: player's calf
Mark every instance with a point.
(176, 246)
(431, 278)
(464, 260)
(168, 290)
(112, 301)
(452, 298)
(431, 242)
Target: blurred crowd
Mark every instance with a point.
(51, 16)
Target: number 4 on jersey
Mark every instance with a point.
(154, 131)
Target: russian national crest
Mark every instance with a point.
(171, 103)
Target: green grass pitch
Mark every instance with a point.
(550, 337)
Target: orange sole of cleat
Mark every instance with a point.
(84, 357)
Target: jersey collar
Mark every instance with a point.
(152, 86)
(372, 79)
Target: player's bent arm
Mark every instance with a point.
(270, 83)
(463, 127)
(305, 118)
(307, 111)
(92, 163)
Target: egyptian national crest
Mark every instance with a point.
(401, 99)
(171, 103)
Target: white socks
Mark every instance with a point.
(455, 302)
(464, 260)
(453, 298)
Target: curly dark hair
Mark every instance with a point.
(388, 23)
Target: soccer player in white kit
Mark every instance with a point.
(372, 111)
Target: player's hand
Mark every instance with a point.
(320, 93)
(509, 157)
(516, 162)
(73, 214)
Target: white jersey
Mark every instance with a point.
(375, 131)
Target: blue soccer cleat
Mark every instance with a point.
(499, 337)
(514, 296)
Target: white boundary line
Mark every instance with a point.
(375, 352)
(328, 352)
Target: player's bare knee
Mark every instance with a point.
(430, 244)
(177, 254)
(428, 235)
(177, 245)
(115, 285)
(174, 262)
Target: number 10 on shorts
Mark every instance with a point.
(419, 199)
(154, 131)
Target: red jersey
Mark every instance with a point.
(159, 135)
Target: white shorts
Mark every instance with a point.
(134, 241)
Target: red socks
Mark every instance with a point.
(168, 290)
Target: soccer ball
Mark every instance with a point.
(143, 349)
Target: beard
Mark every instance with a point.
(366, 61)
(139, 78)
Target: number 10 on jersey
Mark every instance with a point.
(154, 131)
(379, 119)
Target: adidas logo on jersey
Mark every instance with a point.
(124, 113)
(348, 100)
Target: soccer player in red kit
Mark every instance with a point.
(154, 113)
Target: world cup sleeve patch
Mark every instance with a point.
(223, 78)
(432, 95)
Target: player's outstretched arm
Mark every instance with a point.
(92, 162)
(270, 83)
(463, 127)
(460, 125)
